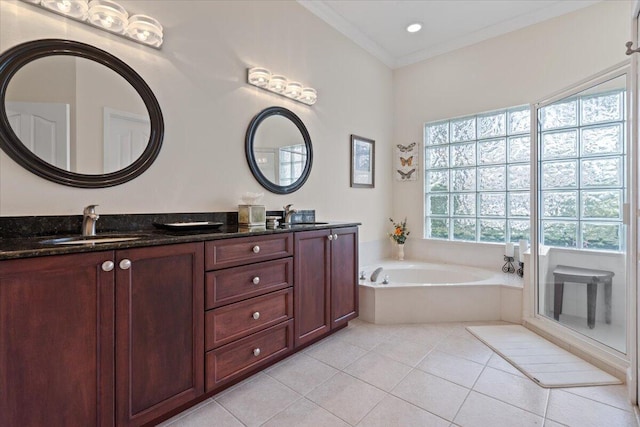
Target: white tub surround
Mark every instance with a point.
(421, 292)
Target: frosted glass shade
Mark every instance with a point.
(145, 29)
(309, 96)
(293, 90)
(108, 15)
(278, 84)
(259, 77)
(76, 9)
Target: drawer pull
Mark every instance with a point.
(256, 249)
(335, 237)
(125, 264)
(107, 266)
(330, 237)
(256, 352)
(256, 280)
(256, 315)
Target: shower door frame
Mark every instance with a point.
(605, 356)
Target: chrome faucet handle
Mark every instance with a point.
(287, 208)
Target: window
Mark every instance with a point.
(582, 164)
(292, 161)
(477, 177)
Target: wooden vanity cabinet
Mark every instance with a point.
(125, 337)
(159, 330)
(249, 303)
(326, 295)
(94, 339)
(56, 341)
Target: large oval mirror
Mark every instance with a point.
(76, 115)
(279, 151)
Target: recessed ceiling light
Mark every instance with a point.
(414, 28)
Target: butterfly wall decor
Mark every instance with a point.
(406, 148)
(406, 175)
(406, 163)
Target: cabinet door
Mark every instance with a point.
(344, 275)
(56, 341)
(159, 330)
(312, 285)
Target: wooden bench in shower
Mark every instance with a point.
(591, 278)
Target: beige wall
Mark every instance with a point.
(518, 68)
(199, 80)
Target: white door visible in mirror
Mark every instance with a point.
(280, 151)
(43, 128)
(125, 137)
(89, 89)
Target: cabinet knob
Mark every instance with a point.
(256, 280)
(256, 352)
(335, 237)
(125, 264)
(256, 315)
(107, 266)
(330, 237)
(256, 249)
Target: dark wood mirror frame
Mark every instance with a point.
(18, 56)
(251, 159)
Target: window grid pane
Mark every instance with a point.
(582, 172)
(479, 168)
(488, 181)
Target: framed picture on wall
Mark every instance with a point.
(363, 165)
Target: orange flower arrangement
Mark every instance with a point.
(400, 231)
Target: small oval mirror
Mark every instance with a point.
(76, 115)
(278, 150)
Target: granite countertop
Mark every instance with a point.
(33, 246)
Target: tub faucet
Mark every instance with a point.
(288, 212)
(89, 219)
(376, 272)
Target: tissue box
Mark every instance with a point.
(252, 215)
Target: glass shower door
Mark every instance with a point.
(581, 193)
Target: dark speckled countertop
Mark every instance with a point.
(23, 237)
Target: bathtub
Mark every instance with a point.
(421, 292)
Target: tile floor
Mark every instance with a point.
(404, 375)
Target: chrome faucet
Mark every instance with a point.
(89, 219)
(288, 212)
(376, 272)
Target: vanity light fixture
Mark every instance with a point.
(275, 83)
(110, 16)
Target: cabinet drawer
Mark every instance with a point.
(238, 283)
(245, 250)
(234, 321)
(232, 360)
